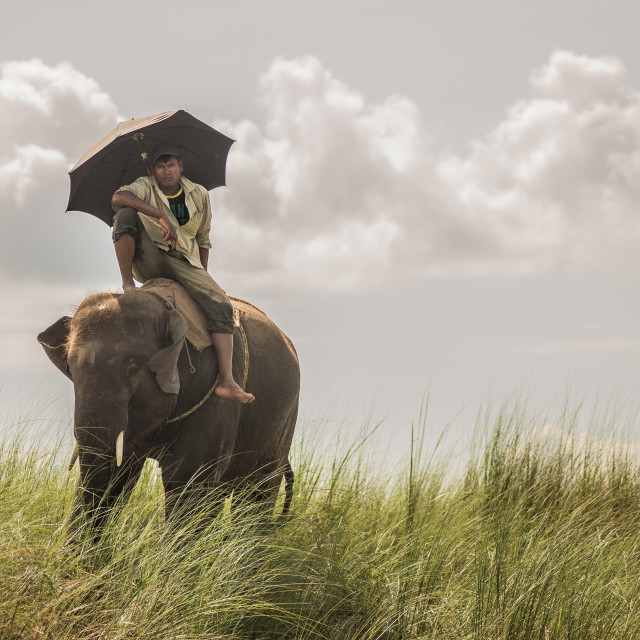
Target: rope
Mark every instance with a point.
(246, 353)
(192, 369)
(194, 409)
(215, 384)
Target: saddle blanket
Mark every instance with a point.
(177, 298)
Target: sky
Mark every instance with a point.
(437, 202)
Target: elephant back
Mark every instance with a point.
(263, 329)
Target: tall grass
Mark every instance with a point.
(536, 537)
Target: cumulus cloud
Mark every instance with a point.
(334, 192)
(330, 181)
(556, 181)
(50, 115)
(54, 107)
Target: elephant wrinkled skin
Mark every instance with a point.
(126, 356)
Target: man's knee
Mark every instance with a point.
(220, 312)
(221, 323)
(207, 293)
(126, 221)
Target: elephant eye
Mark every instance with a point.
(132, 369)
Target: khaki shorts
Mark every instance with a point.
(149, 262)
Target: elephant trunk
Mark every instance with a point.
(100, 426)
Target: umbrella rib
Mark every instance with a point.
(132, 151)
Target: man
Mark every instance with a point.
(176, 246)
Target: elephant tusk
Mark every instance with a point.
(74, 456)
(119, 448)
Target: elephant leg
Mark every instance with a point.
(194, 503)
(121, 483)
(124, 479)
(258, 495)
(263, 490)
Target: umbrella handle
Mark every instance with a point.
(159, 206)
(139, 138)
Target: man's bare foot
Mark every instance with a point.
(232, 391)
(128, 285)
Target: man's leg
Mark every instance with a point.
(125, 247)
(207, 293)
(135, 251)
(227, 387)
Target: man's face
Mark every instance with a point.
(167, 171)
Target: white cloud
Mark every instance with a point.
(582, 81)
(49, 115)
(30, 168)
(331, 182)
(555, 182)
(335, 193)
(53, 107)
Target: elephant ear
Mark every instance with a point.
(165, 363)
(54, 342)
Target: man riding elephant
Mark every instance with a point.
(176, 246)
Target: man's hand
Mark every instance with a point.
(124, 198)
(169, 234)
(204, 257)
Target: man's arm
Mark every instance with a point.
(204, 257)
(127, 199)
(202, 235)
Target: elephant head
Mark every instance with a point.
(121, 352)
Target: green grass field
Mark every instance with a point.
(536, 535)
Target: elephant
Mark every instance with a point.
(141, 391)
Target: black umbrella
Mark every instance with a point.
(116, 159)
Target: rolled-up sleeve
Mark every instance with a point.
(202, 236)
(139, 188)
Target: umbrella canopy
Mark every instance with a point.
(115, 160)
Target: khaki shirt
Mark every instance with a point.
(193, 235)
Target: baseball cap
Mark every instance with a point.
(163, 149)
